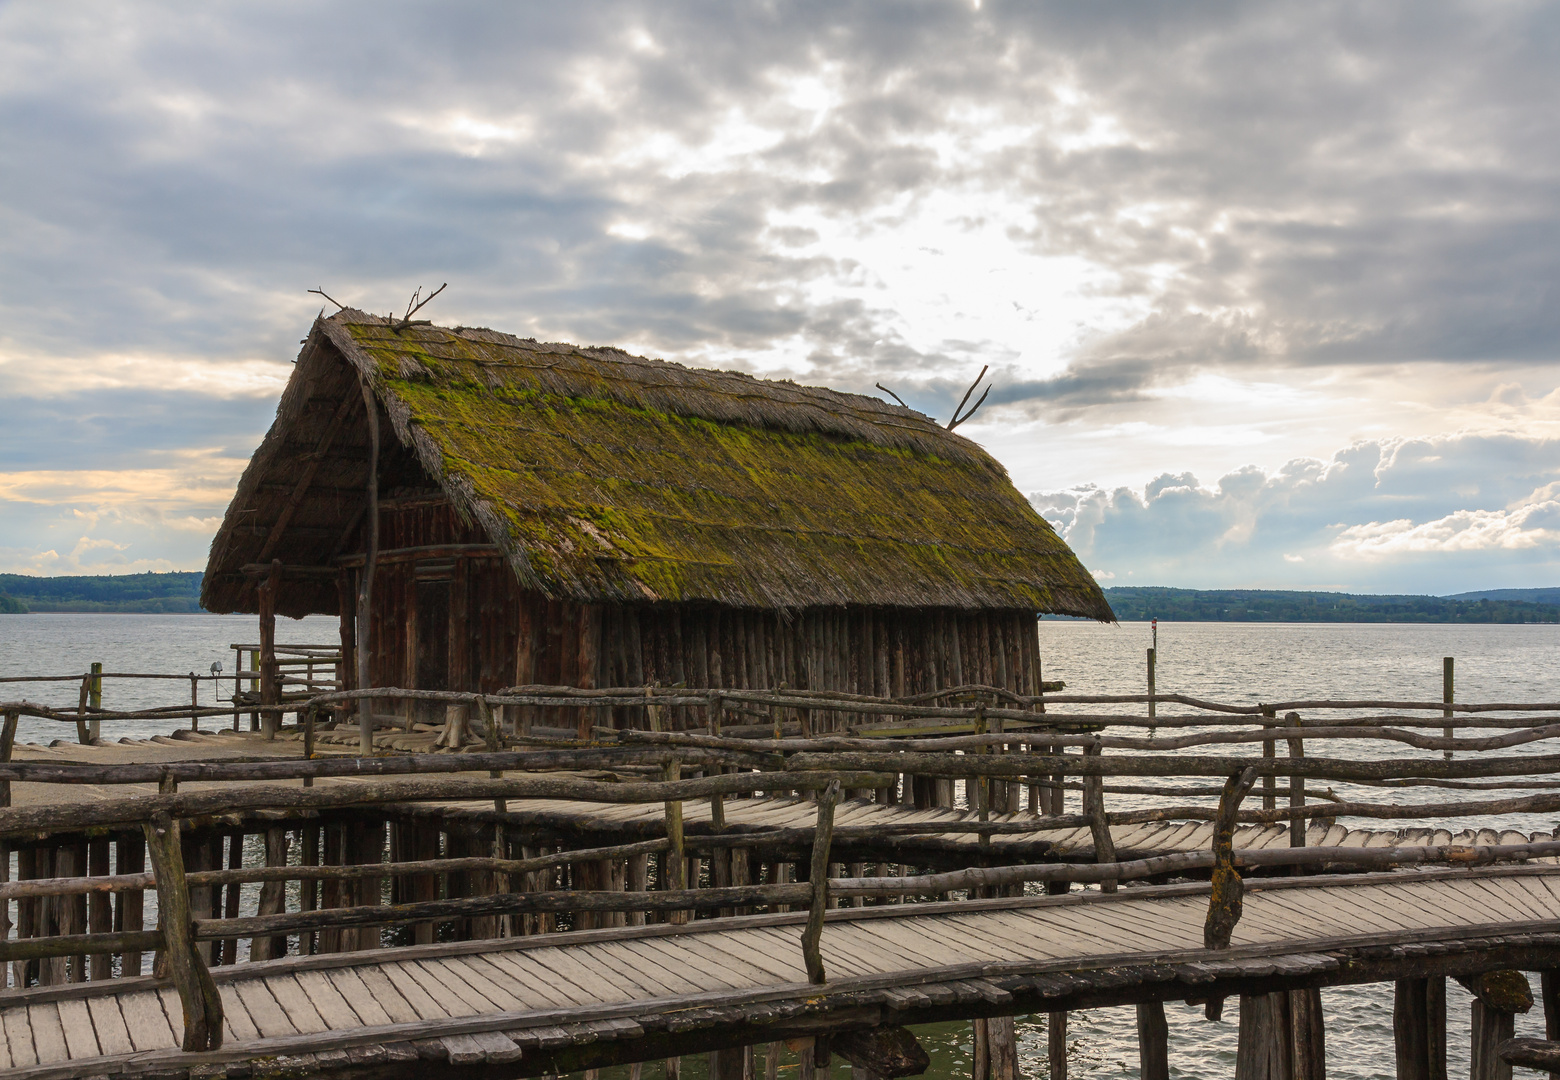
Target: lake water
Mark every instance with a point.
(1239, 662)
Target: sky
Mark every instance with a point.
(1269, 293)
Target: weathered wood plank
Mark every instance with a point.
(80, 1033)
(146, 1021)
(112, 1035)
(265, 1012)
(47, 1033)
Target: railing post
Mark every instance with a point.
(1269, 752)
(198, 995)
(95, 699)
(1297, 825)
(7, 744)
(673, 861)
(1224, 902)
(309, 716)
(823, 837)
(82, 735)
(194, 702)
(1099, 825)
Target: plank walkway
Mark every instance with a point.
(612, 993)
(1131, 841)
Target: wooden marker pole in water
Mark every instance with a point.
(1448, 684)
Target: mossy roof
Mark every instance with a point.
(606, 477)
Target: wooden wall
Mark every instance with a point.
(449, 614)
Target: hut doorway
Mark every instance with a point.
(433, 630)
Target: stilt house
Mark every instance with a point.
(579, 516)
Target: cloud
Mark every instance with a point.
(1116, 207)
(1428, 515)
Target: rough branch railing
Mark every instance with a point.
(779, 755)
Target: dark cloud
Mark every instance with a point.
(1313, 183)
(1239, 187)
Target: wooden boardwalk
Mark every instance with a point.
(604, 822)
(550, 1003)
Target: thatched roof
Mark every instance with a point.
(605, 477)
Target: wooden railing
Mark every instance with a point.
(755, 742)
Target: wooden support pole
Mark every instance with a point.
(270, 670)
(129, 907)
(1263, 1051)
(1549, 993)
(273, 897)
(365, 597)
(1153, 1036)
(198, 996)
(728, 1063)
(100, 912)
(1002, 1048)
(1307, 1036)
(1491, 1027)
(195, 702)
(1410, 1029)
(812, 936)
(1056, 1044)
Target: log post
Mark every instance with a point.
(1549, 992)
(1002, 1048)
(1411, 1023)
(83, 736)
(1153, 1036)
(273, 897)
(1498, 997)
(1056, 1044)
(1224, 900)
(129, 907)
(1491, 1027)
(365, 597)
(100, 910)
(310, 716)
(728, 1064)
(1263, 1051)
(673, 861)
(197, 992)
(270, 669)
(95, 700)
(1308, 1036)
(1296, 785)
(1099, 826)
(7, 744)
(1269, 752)
(1448, 688)
(823, 837)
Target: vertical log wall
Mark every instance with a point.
(449, 615)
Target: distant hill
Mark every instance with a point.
(177, 592)
(1272, 605)
(1531, 596)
